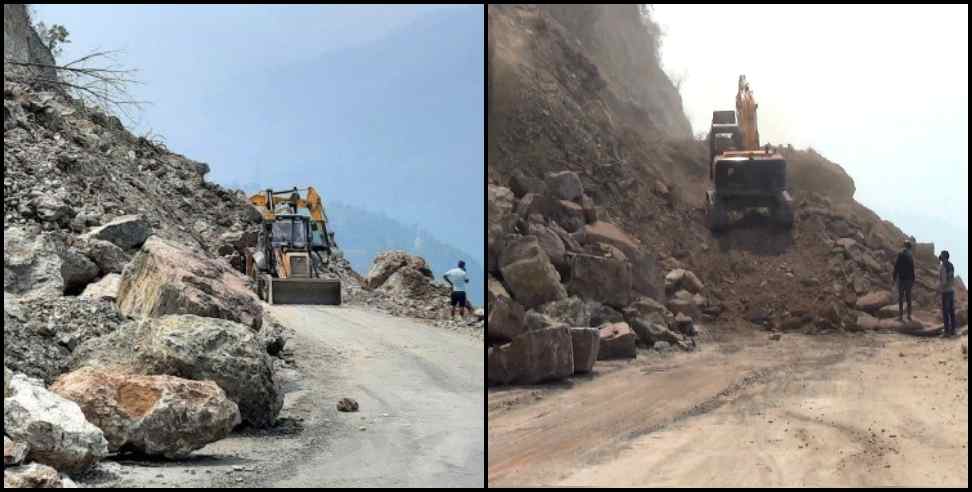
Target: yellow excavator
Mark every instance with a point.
(743, 174)
(293, 249)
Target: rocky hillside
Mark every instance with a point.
(596, 212)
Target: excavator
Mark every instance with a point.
(293, 248)
(743, 174)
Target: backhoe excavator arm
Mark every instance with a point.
(746, 109)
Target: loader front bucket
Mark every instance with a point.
(301, 291)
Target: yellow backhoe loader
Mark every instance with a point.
(293, 249)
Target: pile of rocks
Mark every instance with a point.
(560, 277)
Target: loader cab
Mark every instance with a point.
(290, 232)
(724, 134)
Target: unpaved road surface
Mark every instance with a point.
(745, 411)
(421, 422)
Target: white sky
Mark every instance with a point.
(881, 90)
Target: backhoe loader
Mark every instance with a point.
(293, 249)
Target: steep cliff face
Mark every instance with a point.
(20, 42)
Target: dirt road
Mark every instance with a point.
(421, 420)
(876, 410)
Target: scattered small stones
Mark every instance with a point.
(347, 405)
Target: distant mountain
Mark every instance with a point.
(362, 235)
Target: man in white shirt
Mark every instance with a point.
(458, 279)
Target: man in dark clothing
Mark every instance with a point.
(904, 275)
(946, 279)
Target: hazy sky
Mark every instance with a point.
(881, 90)
(379, 107)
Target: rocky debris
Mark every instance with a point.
(888, 312)
(166, 278)
(195, 348)
(533, 357)
(347, 405)
(273, 335)
(109, 258)
(34, 476)
(653, 323)
(874, 301)
(105, 289)
(480, 314)
(586, 346)
(685, 325)
(126, 232)
(506, 320)
(681, 279)
(41, 265)
(617, 342)
(691, 305)
(14, 453)
(605, 279)
(53, 428)
(500, 203)
(643, 264)
(601, 314)
(528, 273)
(551, 244)
(152, 415)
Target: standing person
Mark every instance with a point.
(904, 275)
(458, 279)
(946, 277)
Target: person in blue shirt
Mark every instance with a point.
(458, 279)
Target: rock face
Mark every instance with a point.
(153, 415)
(195, 348)
(587, 343)
(52, 427)
(874, 301)
(533, 357)
(105, 289)
(126, 232)
(165, 278)
(617, 342)
(528, 273)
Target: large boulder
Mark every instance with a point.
(152, 415)
(39, 265)
(494, 290)
(499, 217)
(644, 272)
(165, 278)
(195, 348)
(53, 428)
(505, 320)
(681, 279)
(586, 343)
(388, 263)
(105, 289)
(602, 279)
(567, 214)
(617, 342)
(108, 257)
(32, 476)
(571, 311)
(528, 273)
(565, 185)
(551, 244)
(874, 301)
(126, 232)
(533, 357)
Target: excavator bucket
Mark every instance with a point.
(300, 291)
